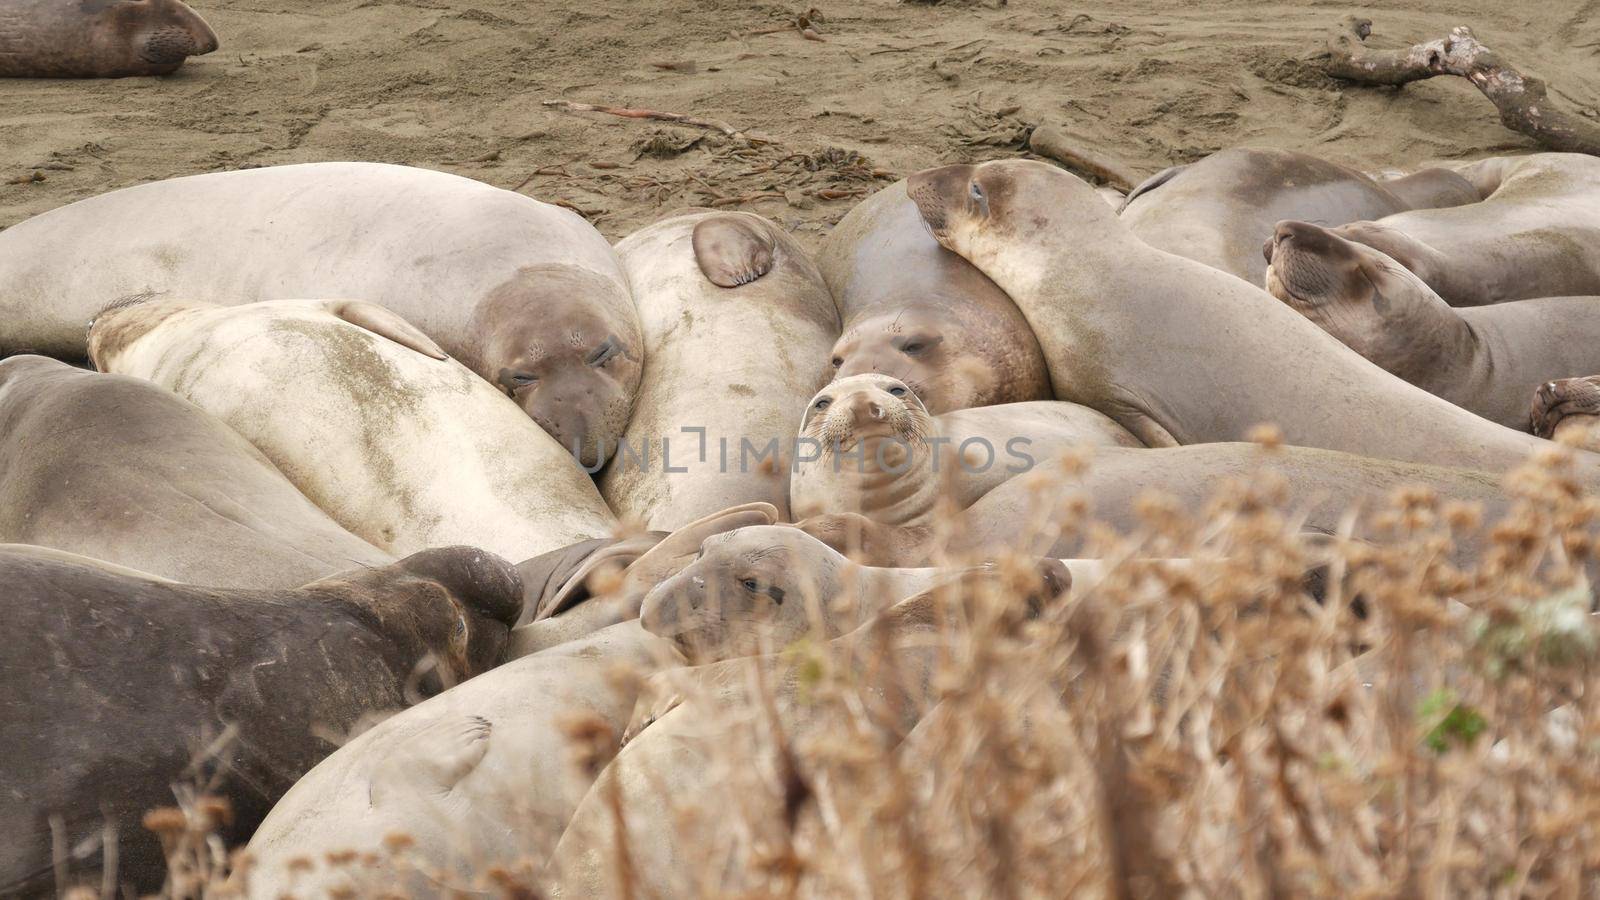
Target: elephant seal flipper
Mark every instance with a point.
(732, 249)
(386, 323)
(1150, 184)
(435, 759)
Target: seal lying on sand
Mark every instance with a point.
(888, 515)
(1219, 210)
(120, 470)
(737, 325)
(920, 313)
(99, 38)
(1536, 233)
(405, 450)
(1178, 352)
(525, 294)
(481, 776)
(119, 687)
(1486, 359)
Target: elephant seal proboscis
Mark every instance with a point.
(1219, 210)
(524, 293)
(1178, 352)
(119, 687)
(737, 325)
(405, 450)
(120, 470)
(920, 313)
(99, 38)
(480, 776)
(1487, 359)
(1536, 233)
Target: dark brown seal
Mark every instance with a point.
(99, 38)
(118, 687)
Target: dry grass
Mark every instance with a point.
(1200, 729)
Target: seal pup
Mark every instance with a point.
(99, 38)
(120, 470)
(481, 776)
(526, 294)
(405, 449)
(1487, 359)
(1218, 210)
(1178, 352)
(1535, 234)
(920, 313)
(120, 686)
(737, 322)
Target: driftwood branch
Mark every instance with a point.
(1521, 99)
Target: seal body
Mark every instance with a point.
(924, 315)
(737, 325)
(404, 450)
(120, 470)
(480, 775)
(1219, 210)
(99, 38)
(119, 687)
(1536, 233)
(526, 294)
(1487, 359)
(1176, 351)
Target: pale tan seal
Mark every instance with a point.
(1536, 233)
(737, 325)
(924, 315)
(120, 470)
(1486, 359)
(119, 687)
(99, 38)
(1178, 352)
(1219, 210)
(528, 295)
(404, 449)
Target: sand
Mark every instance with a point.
(891, 88)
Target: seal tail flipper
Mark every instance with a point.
(434, 759)
(732, 249)
(1150, 184)
(386, 323)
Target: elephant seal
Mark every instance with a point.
(1178, 352)
(1218, 210)
(759, 589)
(99, 38)
(737, 323)
(120, 470)
(120, 687)
(480, 776)
(920, 313)
(527, 295)
(405, 450)
(1486, 359)
(1536, 234)
(1568, 409)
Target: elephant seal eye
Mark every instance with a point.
(838, 361)
(897, 392)
(822, 403)
(977, 192)
(750, 585)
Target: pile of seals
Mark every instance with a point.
(379, 472)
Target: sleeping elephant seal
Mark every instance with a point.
(118, 469)
(481, 776)
(1568, 409)
(737, 325)
(920, 313)
(99, 38)
(525, 294)
(1219, 210)
(1178, 352)
(1487, 359)
(1536, 234)
(404, 448)
(120, 687)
